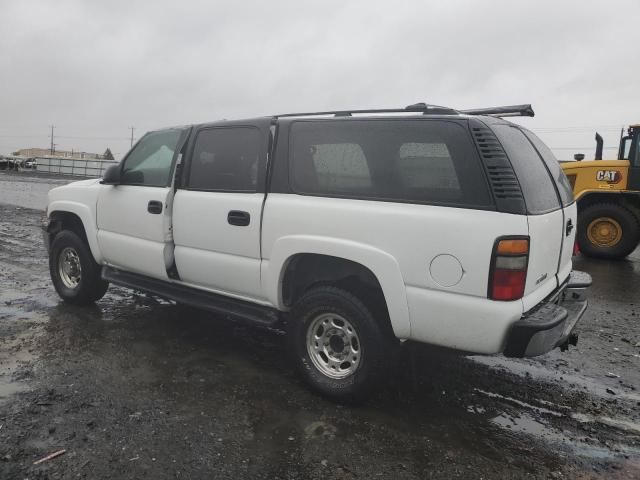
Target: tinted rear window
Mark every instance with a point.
(225, 159)
(422, 161)
(537, 187)
(561, 180)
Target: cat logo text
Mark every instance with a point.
(609, 176)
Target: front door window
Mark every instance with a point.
(150, 163)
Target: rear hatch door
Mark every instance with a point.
(569, 208)
(549, 251)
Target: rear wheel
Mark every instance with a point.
(607, 230)
(75, 274)
(340, 348)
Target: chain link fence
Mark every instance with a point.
(73, 167)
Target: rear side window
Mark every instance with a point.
(427, 164)
(340, 167)
(537, 186)
(225, 159)
(561, 180)
(421, 161)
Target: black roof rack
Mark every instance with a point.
(426, 109)
(508, 111)
(416, 108)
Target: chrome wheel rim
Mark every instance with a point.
(333, 346)
(69, 267)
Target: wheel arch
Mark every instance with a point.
(76, 217)
(629, 200)
(317, 260)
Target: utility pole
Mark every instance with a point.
(52, 145)
(132, 129)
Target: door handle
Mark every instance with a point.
(239, 218)
(569, 228)
(154, 207)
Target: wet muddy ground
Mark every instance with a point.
(137, 387)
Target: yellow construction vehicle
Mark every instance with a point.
(608, 196)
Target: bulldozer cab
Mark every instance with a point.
(630, 150)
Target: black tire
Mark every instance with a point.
(90, 287)
(624, 218)
(376, 344)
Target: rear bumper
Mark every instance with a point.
(551, 324)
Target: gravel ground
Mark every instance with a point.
(137, 387)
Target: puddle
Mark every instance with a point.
(27, 193)
(17, 356)
(19, 305)
(524, 404)
(539, 427)
(9, 388)
(578, 445)
(624, 425)
(523, 369)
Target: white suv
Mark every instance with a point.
(354, 230)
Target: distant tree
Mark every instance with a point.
(107, 155)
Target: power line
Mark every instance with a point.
(92, 138)
(581, 148)
(24, 136)
(579, 127)
(82, 137)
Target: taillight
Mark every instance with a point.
(576, 248)
(508, 273)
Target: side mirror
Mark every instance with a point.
(111, 175)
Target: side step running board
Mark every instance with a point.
(219, 304)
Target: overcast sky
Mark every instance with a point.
(94, 69)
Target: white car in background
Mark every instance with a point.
(31, 163)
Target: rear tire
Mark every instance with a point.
(607, 230)
(339, 347)
(75, 274)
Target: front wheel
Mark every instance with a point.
(75, 274)
(607, 230)
(340, 348)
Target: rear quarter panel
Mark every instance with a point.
(412, 235)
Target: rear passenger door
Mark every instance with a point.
(217, 210)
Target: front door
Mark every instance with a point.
(134, 217)
(217, 210)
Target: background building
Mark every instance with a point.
(42, 152)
